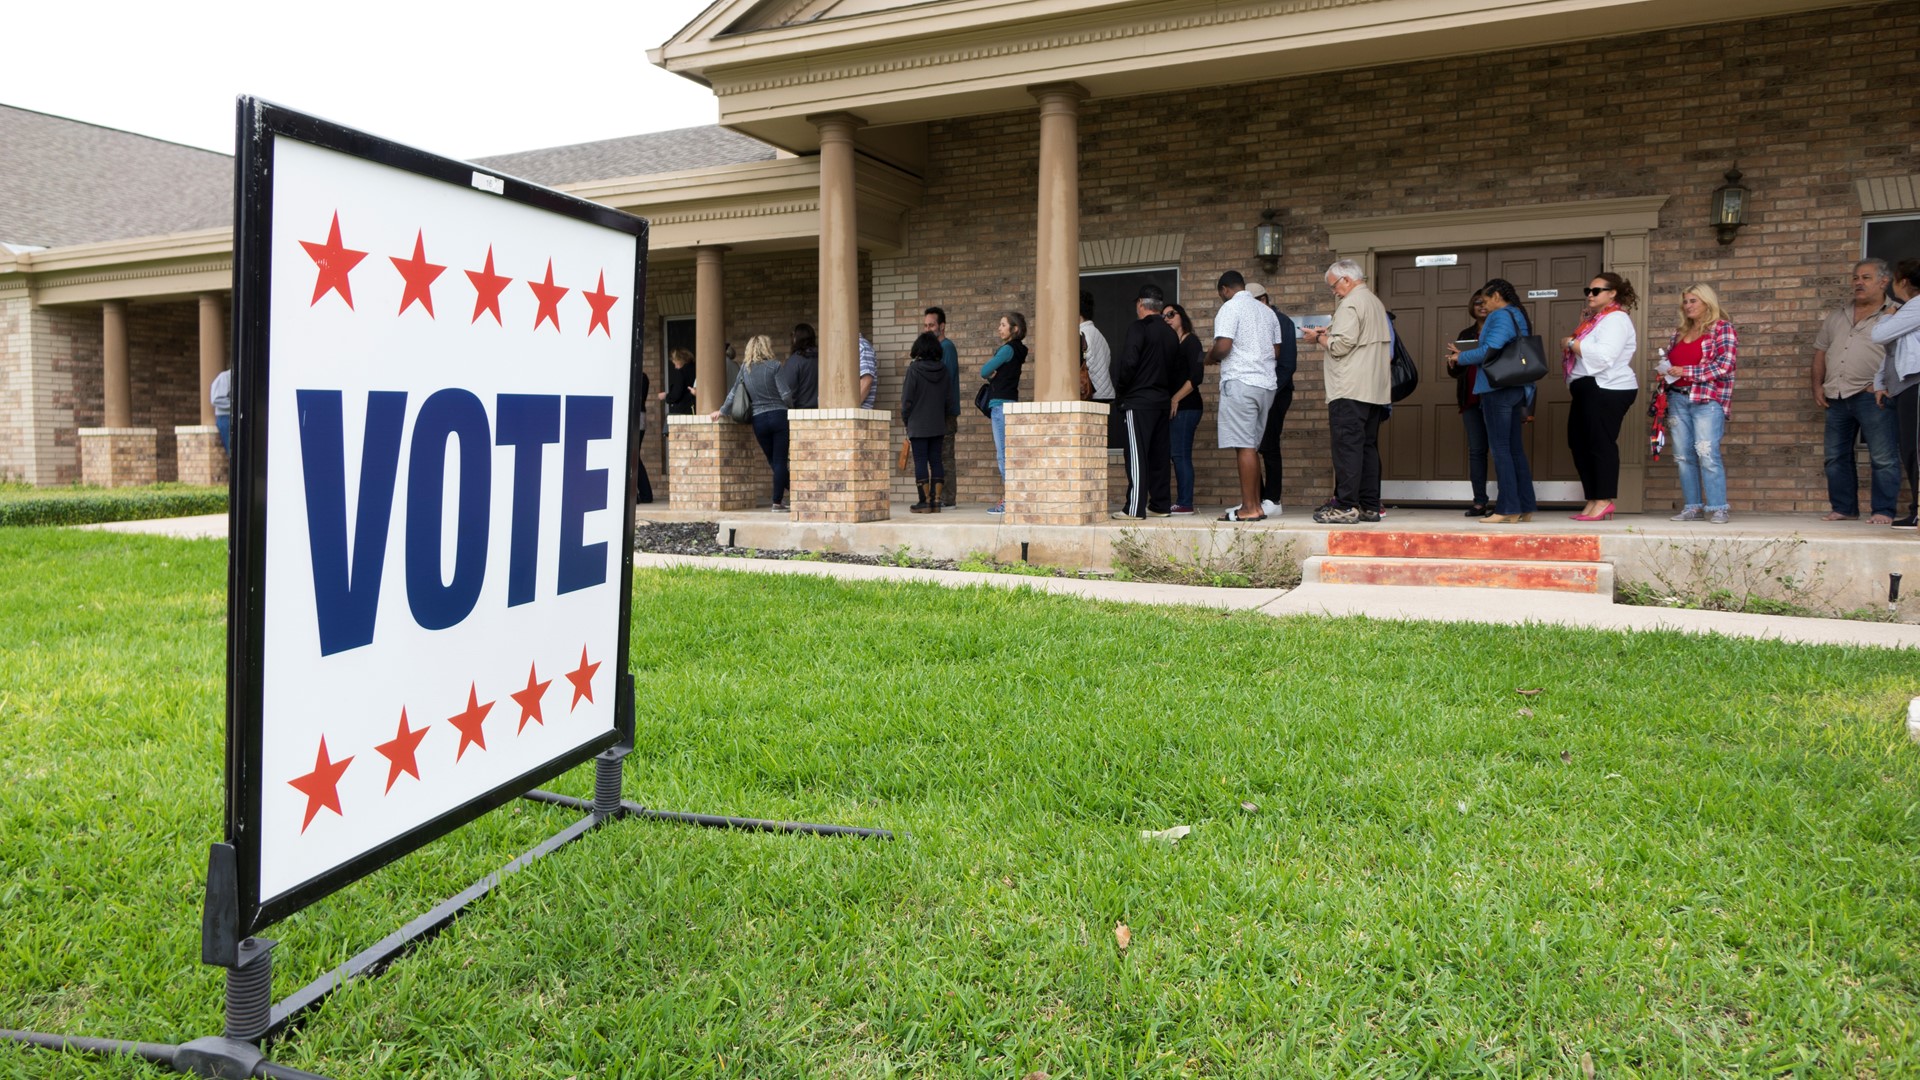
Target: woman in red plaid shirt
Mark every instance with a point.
(1699, 372)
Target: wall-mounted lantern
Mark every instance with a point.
(1266, 241)
(1730, 206)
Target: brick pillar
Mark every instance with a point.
(716, 465)
(1056, 462)
(840, 464)
(199, 457)
(119, 456)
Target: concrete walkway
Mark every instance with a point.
(1499, 606)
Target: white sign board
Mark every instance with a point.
(437, 382)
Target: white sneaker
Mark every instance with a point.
(1269, 508)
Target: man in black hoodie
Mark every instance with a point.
(1145, 375)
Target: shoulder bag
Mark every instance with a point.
(740, 410)
(982, 399)
(1517, 363)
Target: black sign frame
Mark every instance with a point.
(261, 125)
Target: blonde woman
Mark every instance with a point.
(1699, 368)
(768, 393)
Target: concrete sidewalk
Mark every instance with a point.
(1498, 606)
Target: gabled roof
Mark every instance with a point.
(67, 182)
(634, 155)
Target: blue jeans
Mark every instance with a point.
(1505, 411)
(1693, 433)
(1000, 439)
(1476, 424)
(1185, 422)
(1877, 427)
(224, 422)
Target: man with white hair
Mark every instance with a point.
(1359, 380)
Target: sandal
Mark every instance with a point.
(1236, 515)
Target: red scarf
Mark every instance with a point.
(1568, 358)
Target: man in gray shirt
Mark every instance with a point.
(1846, 363)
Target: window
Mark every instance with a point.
(1114, 292)
(1891, 238)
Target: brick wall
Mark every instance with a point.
(1805, 104)
(766, 294)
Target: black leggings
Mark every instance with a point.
(1906, 406)
(926, 458)
(1593, 434)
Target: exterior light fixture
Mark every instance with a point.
(1266, 241)
(1730, 206)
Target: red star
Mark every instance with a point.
(549, 295)
(469, 723)
(529, 700)
(399, 752)
(487, 287)
(335, 261)
(582, 679)
(419, 274)
(321, 786)
(602, 302)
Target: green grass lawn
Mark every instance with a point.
(1685, 857)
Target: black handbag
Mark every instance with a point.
(983, 397)
(1517, 363)
(1405, 373)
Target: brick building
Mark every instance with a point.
(988, 155)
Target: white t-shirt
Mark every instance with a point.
(1606, 353)
(1099, 361)
(1255, 329)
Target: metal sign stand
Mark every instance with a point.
(252, 1016)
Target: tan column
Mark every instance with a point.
(117, 388)
(1054, 335)
(709, 330)
(213, 350)
(839, 264)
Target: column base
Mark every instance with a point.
(1056, 462)
(198, 456)
(715, 465)
(840, 464)
(119, 457)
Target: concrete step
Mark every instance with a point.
(1510, 542)
(1541, 575)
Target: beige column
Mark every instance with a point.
(839, 264)
(1054, 335)
(117, 385)
(213, 349)
(709, 329)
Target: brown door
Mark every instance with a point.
(1423, 447)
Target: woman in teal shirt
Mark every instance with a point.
(1003, 386)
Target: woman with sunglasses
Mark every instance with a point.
(1701, 358)
(1598, 363)
(1187, 407)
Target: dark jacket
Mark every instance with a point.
(923, 403)
(1195, 359)
(680, 389)
(1149, 367)
(1289, 358)
(801, 375)
(1003, 381)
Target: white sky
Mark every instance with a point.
(465, 80)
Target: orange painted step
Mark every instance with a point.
(1573, 577)
(1497, 542)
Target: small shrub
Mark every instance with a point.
(1731, 575)
(1250, 559)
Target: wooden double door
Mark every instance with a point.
(1423, 448)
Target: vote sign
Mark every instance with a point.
(430, 568)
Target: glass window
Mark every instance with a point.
(1114, 292)
(1892, 239)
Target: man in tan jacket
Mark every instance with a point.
(1359, 381)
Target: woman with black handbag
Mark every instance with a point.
(1003, 388)
(1503, 407)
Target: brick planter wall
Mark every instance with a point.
(841, 464)
(1056, 462)
(716, 465)
(119, 457)
(198, 455)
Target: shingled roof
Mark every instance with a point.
(67, 182)
(634, 155)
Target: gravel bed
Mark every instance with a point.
(700, 538)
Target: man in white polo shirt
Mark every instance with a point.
(1244, 335)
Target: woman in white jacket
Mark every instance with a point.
(1598, 362)
(1898, 384)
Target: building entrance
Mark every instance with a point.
(1423, 448)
